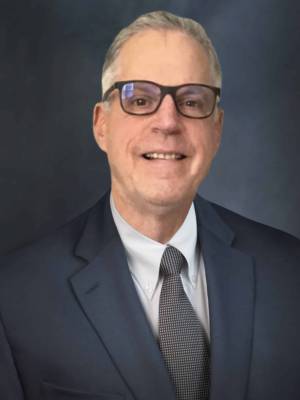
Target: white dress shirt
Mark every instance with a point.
(144, 256)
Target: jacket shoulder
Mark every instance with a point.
(58, 244)
(250, 233)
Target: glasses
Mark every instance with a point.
(192, 100)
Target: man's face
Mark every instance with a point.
(168, 58)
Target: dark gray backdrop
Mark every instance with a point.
(51, 53)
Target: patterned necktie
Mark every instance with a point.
(182, 339)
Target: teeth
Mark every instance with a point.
(164, 156)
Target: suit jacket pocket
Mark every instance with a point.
(50, 391)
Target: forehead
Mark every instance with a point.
(164, 56)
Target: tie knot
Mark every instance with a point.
(172, 261)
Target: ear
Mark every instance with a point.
(100, 125)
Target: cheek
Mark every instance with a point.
(114, 151)
(205, 147)
(211, 138)
(203, 142)
(125, 133)
(118, 146)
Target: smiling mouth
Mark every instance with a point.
(164, 156)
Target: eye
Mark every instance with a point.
(191, 103)
(140, 101)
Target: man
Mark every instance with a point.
(154, 293)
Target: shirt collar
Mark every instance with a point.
(144, 254)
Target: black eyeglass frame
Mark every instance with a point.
(171, 90)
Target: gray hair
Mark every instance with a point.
(158, 20)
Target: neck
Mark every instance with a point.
(159, 223)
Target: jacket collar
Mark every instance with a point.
(98, 231)
(107, 295)
(120, 321)
(230, 280)
(100, 228)
(209, 219)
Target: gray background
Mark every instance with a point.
(51, 53)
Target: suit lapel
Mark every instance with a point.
(106, 293)
(230, 284)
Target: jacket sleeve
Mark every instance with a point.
(10, 385)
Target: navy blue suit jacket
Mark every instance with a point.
(72, 325)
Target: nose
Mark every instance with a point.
(167, 116)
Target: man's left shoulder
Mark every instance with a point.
(255, 236)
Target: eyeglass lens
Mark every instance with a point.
(194, 101)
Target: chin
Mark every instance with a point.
(168, 199)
